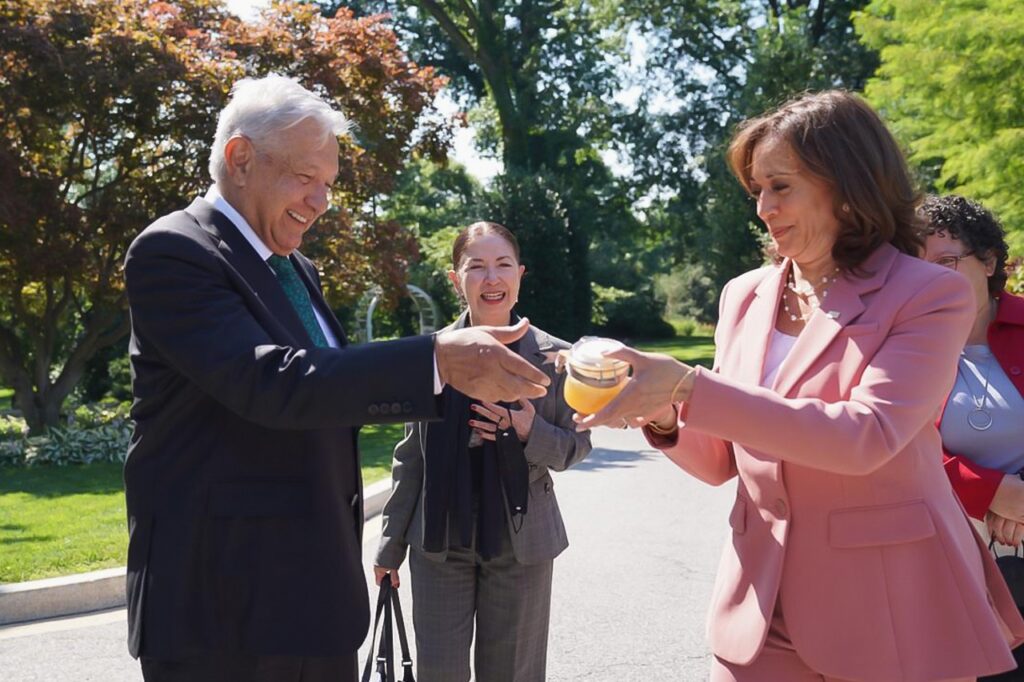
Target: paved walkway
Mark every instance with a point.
(630, 593)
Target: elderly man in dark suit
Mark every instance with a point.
(242, 480)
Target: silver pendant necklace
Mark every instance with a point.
(979, 418)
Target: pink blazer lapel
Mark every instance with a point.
(842, 306)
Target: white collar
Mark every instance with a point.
(221, 204)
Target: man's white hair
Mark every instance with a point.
(260, 108)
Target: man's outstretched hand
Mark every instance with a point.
(475, 362)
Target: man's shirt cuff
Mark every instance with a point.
(438, 386)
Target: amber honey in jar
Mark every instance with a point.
(593, 379)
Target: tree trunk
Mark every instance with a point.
(40, 405)
(38, 411)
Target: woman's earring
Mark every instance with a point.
(846, 208)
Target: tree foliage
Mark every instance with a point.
(541, 78)
(107, 110)
(951, 85)
(708, 65)
(551, 294)
(543, 66)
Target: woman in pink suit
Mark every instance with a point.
(850, 557)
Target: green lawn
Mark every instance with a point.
(377, 444)
(55, 521)
(60, 520)
(698, 350)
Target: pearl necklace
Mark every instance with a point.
(807, 292)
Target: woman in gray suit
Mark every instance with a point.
(473, 496)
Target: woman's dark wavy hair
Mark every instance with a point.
(842, 141)
(970, 222)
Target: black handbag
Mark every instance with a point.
(388, 604)
(1012, 568)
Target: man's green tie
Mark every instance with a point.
(297, 293)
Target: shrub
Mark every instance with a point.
(688, 291)
(98, 432)
(628, 314)
(12, 428)
(687, 326)
(120, 371)
(12, 452)
(70, 445)
(99, 414)
(1015, 282)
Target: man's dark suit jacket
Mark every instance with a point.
(242, 481)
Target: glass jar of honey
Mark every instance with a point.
(593, 379)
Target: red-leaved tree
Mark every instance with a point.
(107, 111)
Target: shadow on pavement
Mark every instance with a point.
(603, 458)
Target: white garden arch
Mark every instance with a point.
(426, 310)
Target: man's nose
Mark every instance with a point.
(319, 200)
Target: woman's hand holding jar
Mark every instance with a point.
(658, 383)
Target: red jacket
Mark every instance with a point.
(974, 484)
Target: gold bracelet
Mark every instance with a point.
(689, 373)
(662, 431)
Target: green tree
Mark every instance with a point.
(951, 83)
(107, 109)
(429, 196)
(542, 66)
(715, 63)
(434, 201)
(541, 76)
(550, 243)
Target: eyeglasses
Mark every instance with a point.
(952, 262)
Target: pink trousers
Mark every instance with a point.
(778, 661)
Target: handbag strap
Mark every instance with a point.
(402, 639)
(383, 605)
(386, 650)
(992, 548)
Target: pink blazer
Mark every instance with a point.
(843, 514)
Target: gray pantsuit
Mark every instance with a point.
(509, 602)
(506, 600)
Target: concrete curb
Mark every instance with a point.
(84, 592)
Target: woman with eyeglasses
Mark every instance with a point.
(982, 425)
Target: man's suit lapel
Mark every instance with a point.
(842, 306)
(253, 269)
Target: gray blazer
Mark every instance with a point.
(554, 444)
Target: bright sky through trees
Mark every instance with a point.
(464, 150)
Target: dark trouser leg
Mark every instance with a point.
(229, 668)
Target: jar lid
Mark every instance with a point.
(589, 352)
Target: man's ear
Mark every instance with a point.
(239, 157)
